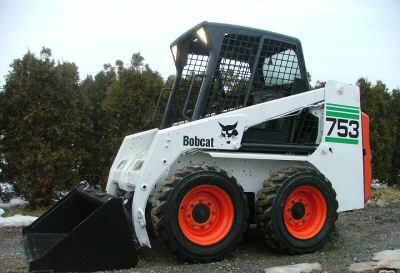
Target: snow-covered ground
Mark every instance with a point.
(6, 187)
(14, 202)
(294, 268)
(376, 184)
(16, 220)
(387, 259)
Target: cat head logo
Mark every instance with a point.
(228, 132)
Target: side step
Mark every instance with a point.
(87, 230)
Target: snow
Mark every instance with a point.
(16, 220)
(377, 203)
(295, 268)
(14, 202)
(6, 187)
(376, 184)
(387, 259)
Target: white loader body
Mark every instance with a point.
(146, 158)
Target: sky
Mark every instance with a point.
(342, 40)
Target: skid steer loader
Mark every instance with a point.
(242, 139)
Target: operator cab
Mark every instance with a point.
(220, 68)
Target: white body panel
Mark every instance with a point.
(146, 158)
(250, 170)
(342, 163)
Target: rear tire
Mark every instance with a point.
(296, 210)
(200, 213)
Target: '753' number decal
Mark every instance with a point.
(344, 127)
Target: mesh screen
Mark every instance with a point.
(246, 73)
(233, 72)
(192, 77)
(307, 132)
(276, 73)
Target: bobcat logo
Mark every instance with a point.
(228, 132)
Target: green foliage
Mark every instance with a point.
(130, 101)
(120, 102)
(94, 91)
(395, 169)
(319, 84)
(56, 131)
(42, 125)
(384, 119)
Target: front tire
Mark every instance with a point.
(296, 210)
(200, 213)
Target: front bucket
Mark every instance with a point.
(87, 230)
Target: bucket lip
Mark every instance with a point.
(86, 191)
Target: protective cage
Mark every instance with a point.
(87, 230)
(236, 67)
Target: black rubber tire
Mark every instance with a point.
(166, 204)
(149, 223)
(270, 205)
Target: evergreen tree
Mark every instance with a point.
(395, 108)
(42, 125)
(130, 101)
(95, 170)
(319, 84)
(376, 102)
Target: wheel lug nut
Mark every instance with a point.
(191, 205)
(202, 226)
(213, 213)
(182, 207)
(209, 203)
(188, 215)
(200, 200)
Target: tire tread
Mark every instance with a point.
(265, 201)
(158, 214)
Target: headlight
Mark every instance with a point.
(174, 50)
(202, 35)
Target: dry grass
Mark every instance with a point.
(387, 194)
(21, 210)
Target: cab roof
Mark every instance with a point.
(218, 29)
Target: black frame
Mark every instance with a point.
(216, 33)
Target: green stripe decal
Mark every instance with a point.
(343, 106)
(340, 109)
(341, 140)
(342, 115)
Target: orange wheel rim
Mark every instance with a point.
(206, 215)
(305, 212)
